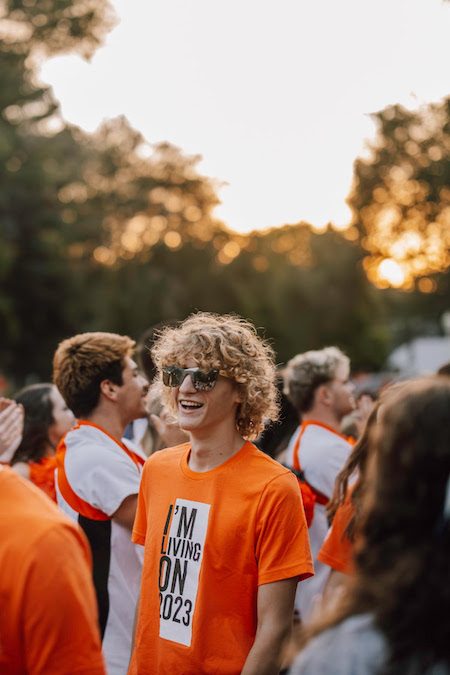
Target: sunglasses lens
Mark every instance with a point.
(205, 380)
(172, 376)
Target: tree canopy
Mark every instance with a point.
(401, 197)
(106, 231)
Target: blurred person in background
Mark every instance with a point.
(444, 370)
(48, 609)
(157, 430)
(393, 616)
(344, 513)
(318, 386)
(352, 425)
(47, 419)
(98, 474)
(222, 523)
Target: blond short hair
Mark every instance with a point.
(306, 372)
(231, 344)
(82, 362)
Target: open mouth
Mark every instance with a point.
(190, 405)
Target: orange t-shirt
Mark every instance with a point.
(48, 611)
(42, 474)
(337, 549)
(210, 540)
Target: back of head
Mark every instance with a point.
(404, 562)
(306, 372)
(413, 460)
(402, 556)
(82, 362)
(231, 344)
(38, 417)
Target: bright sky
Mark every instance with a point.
(274, 96)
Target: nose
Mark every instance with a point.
(186, 386)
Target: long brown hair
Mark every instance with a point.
(402, 560)
(355, 466)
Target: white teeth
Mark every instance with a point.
(190, 404)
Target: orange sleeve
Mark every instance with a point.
(282, 549)
(337, 549)
(140, 521)
(61, 632)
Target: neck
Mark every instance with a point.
(108, 422)
(50, 449)
(211, 450)
(323, 416)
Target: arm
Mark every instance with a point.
(126, 512)
(333, 589)
(275, 608)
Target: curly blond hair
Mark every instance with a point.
(82, 362)
(231, 344)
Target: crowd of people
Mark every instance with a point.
(206, 513)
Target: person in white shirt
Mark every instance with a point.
(317, 384)
(99, 473)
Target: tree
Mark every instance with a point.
(401, 197)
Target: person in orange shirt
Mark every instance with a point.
(222, 523)
(344, 506)
(48, 609)
(47, 419)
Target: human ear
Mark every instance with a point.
(108, 389)
(323, 395)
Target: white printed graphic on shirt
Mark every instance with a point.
(179, 568)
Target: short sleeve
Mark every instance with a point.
(321, 463)
(337, 549)
(102, 479)
(282, 549)
(140, 522)
(60, 618)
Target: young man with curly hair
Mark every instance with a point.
(222, 524)
(98, 473)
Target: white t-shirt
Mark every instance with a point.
(102, 474)
(322, 454)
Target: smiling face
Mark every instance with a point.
(203, 412)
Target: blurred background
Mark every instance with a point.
(289, 164)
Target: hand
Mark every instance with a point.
(11, 428)
(169, 432)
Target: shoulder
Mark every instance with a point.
(31, 514)
(167, 456)
(267, 477)
(353, 647)
(88, 446)
(322, 435)
(264, 466)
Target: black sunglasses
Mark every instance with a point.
(203, 380)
